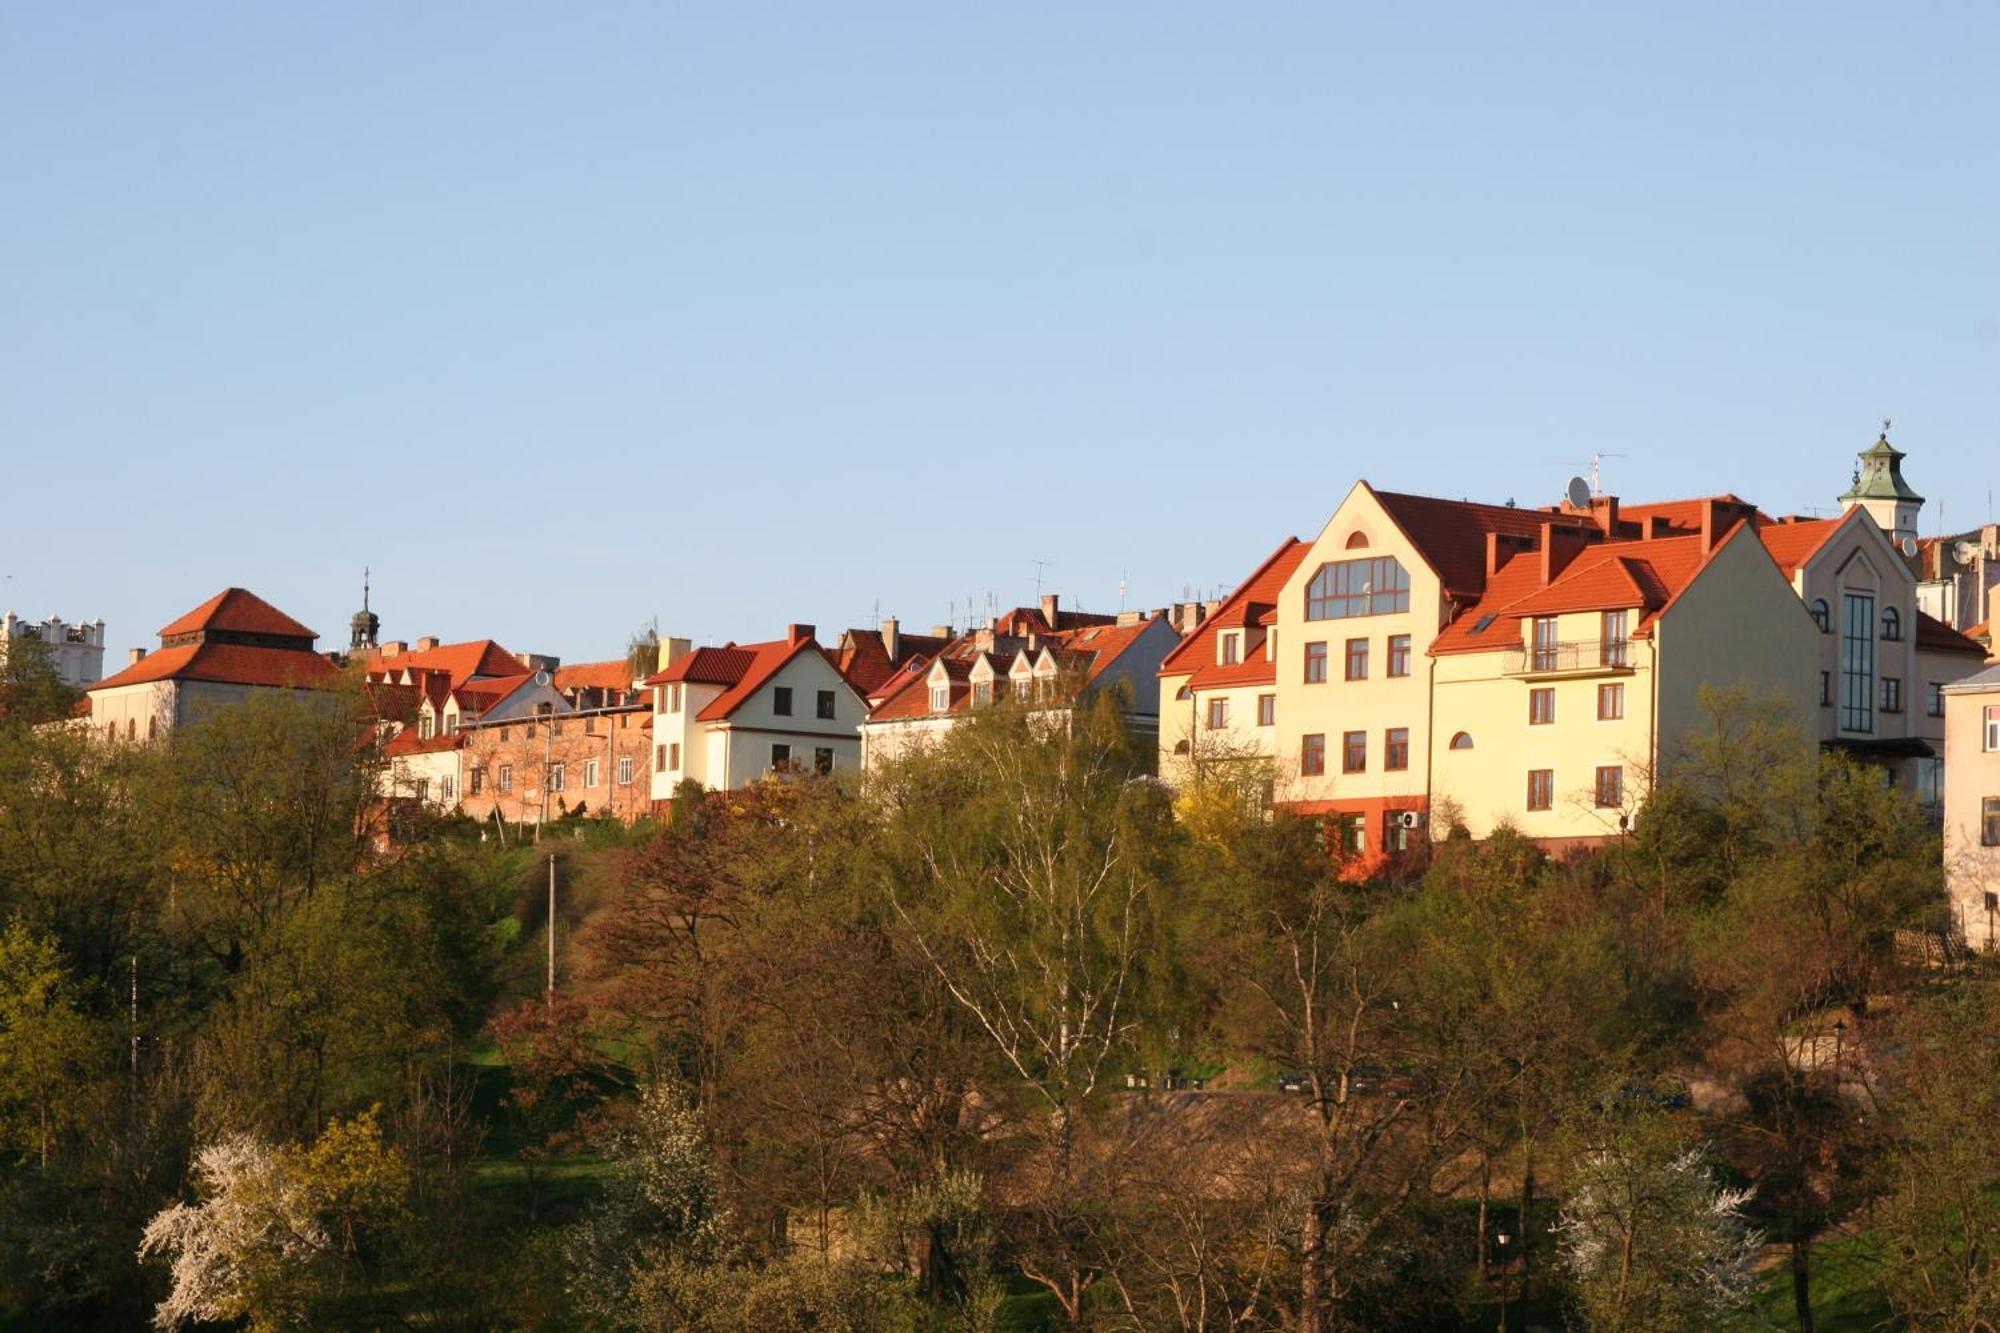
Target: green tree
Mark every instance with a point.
(50, 1050)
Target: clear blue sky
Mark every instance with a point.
(569, 317)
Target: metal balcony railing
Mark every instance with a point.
(1577, 657)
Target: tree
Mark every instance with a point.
(1025, 860)
(1652, 1241)
(31, 692)
(50, 1050)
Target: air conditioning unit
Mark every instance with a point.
(1409, 819)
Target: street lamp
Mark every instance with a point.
(1501, 1238)
(1839, 1040)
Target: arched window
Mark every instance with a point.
(1180, 747)
(1357, 541)
(1346, 588)
(1821, 616)
(1462, 741)
(1892, 624)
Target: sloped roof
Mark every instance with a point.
(863, 656)
(1196, 651)
(227, 664)
(1934, 636)
(461, 661)
(240, 610)
(766, 660)
(409, 742)
(485, 695)
(1451, 534)
(1795, 542)
(595, 676)
(1089, 650)
(1684, 516)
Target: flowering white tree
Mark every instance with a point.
(1652, 1239)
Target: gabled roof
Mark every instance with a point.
(1451, 534)
(461, 661)
(863, 656)
(1195, 653)
(1794, 542)
(595, 676)
(409, 742)
(486, 695)
(741, 669)
(1642, 575)
(1683, 517)
(1088, 651)
(227, 664)
(242, 611)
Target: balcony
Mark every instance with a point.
(1583, 657)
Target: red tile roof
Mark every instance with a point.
(460, 661)
(1683, 516)
(595, 676)
(1196, 652)
(240, 610)
(707, 666)
(409, 742)
(741, 669)
(485, 695)
(863, 656)
(1088, 650)
(227, 664)
(1934, 636)
(1794, 542)
(1451, 534)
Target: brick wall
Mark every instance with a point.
(508, 760)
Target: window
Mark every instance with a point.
(1993, 729)
(531, 731)
(1357, 659)
(1352, 833)
(1934, 699)
(1541, 706)
(590, 726)
(1312, 755)
(590, 773)
(1395, 833)
(1399, 654)
(1857, 663)
(1232, 649)
(1218, 714)
(153, 728)
(940, 698)
(982, 693)
(424, 727)
(1892, 624)
(1315, 664)
(555, 777)
(1346, 588)
(673, 698)
(1821, 616)
(1826, 689)
(781, 700)
(506, 777)
(1989, 822)
(131, 728)
(674, 756)
(659, 759)
(448, 787)
(1462, 741)
(824, 704)
(1547, 655)
(1611, 701)
(1892, 694)
(1610, 787)
(1614, 650)
(1267, 710)
(624, 770)
(823, 759)
(1396, 749)
(1354, 752)
(781, 756)
(478, 780)
(423, 789)
(1541, 788)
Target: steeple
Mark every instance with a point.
(366, 625)
(1880, 489)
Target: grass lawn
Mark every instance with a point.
(1845, 1294)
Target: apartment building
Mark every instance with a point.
(1044, 656)
(726, 717)
(1972, 806)
(75, 652)
(220, 653)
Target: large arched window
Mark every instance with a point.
(1821, 616)
(1892, 624)
(1346, 588)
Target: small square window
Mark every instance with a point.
(781, 756)
(824, 704)
(1399, 654)
(1357, 659)
(1218, 714)
(781, 700)
(1541, 706)
(1611, 701)
(1312, 755)
(823, 759)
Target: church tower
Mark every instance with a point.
(366, 625)
(1880, 489)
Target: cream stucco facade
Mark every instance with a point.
(802, 716)
(1972, 807)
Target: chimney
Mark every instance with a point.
(941, 631)
(393, 648)
(1130, 617)
(1051, 604)
(892, 639)
(138, 656)
(983, 639)
(672, 651)
(428, 642)
(1717, 518)
(796, 634)
(1604, 508)
(1559, 547)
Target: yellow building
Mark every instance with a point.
(1972, 806)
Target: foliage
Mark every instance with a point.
(50, 1050)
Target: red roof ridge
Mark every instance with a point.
(240, 610)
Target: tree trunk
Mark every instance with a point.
(1521, 1218)
(1312, 1267)
(1485, 1194)
(1802, 1276)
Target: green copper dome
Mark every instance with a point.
(1880, 475)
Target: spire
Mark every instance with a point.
(366, 625)
(1880, 474)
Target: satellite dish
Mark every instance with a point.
(1965, 553)
(1908, 546)
(542, 678)
(1579, 493)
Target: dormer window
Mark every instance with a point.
(1232, 649)
(940, 698)
(982, 693)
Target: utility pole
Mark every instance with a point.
(135, 1025)
(552, 933)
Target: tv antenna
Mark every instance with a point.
(1121, 590)
(1040, 566)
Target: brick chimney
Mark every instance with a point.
(393, 648)
(892, 639)
(1604, 508)
(428, 642)
(138, 656)
(941, 631)
(672, 651)
(1718, 517)
(796, 634)
(1051, 608)
(1559, 547)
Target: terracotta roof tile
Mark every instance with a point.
(227, 664)
(1933, 635)
(461, 661)
(240, 610)
(1451, 534)
(1197, 649)
(595, 676)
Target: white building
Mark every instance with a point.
(75, 651)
